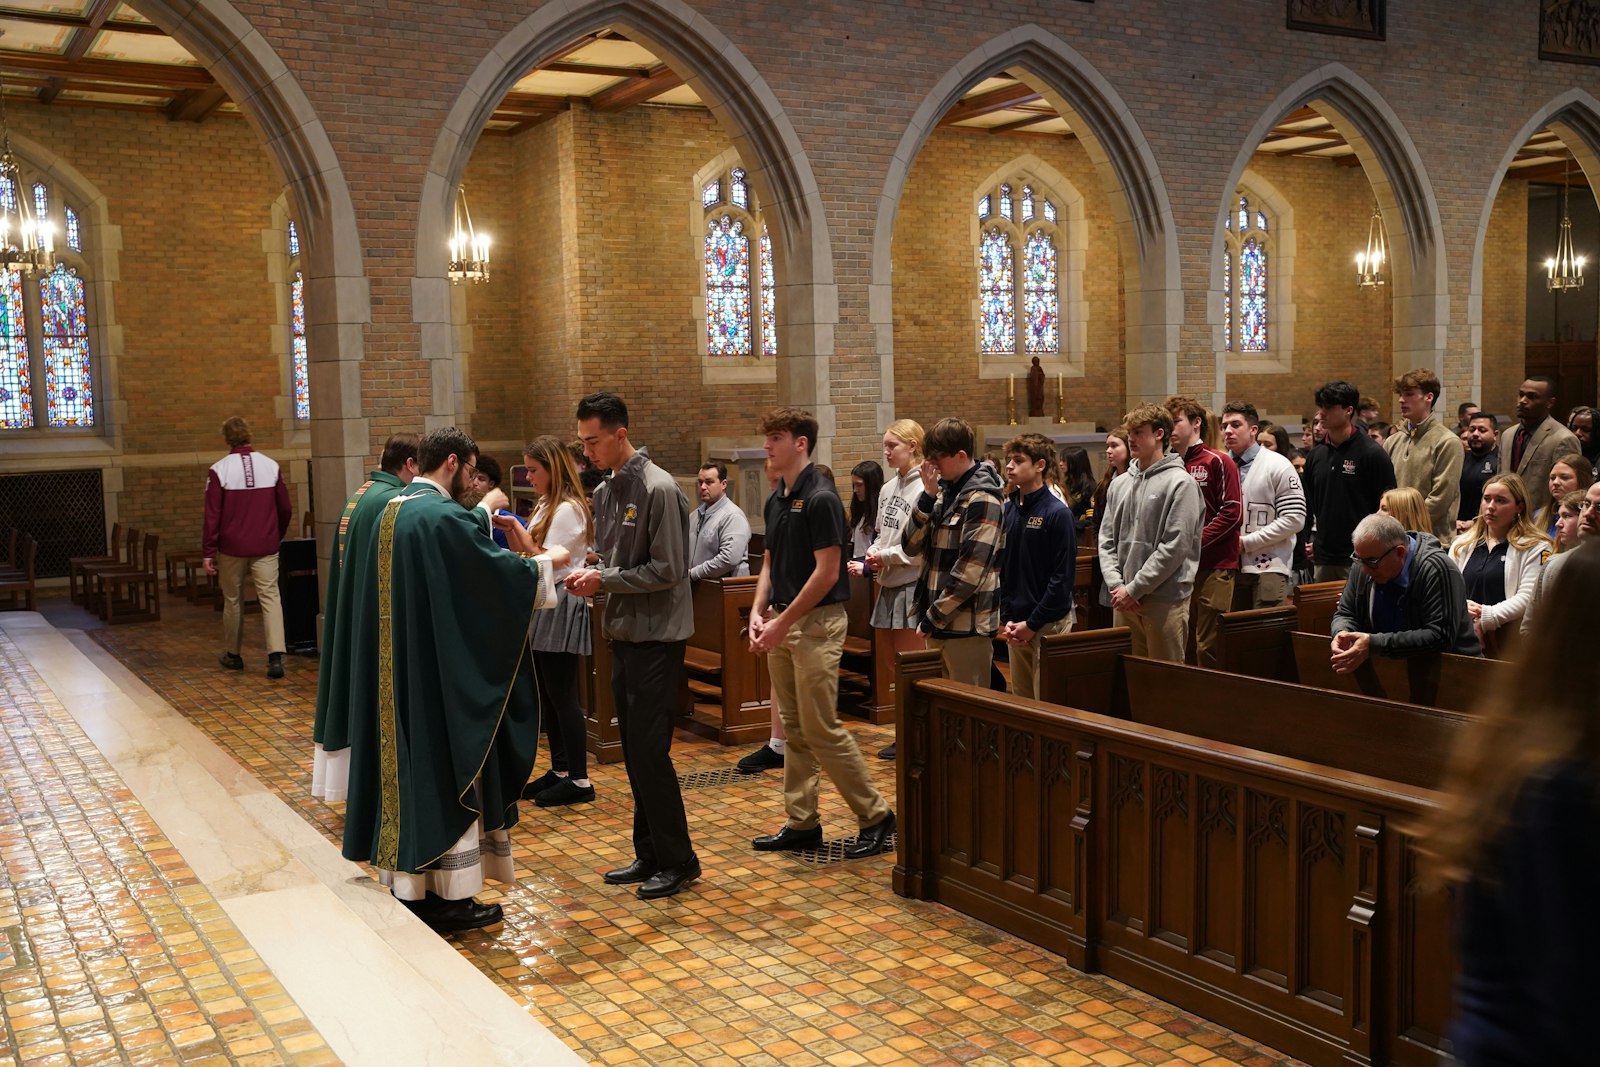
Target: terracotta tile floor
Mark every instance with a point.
(111, 951)
(767, 960)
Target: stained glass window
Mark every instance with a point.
(1027, 203)
(16, 393)
(1244, 214)
(1252, 296)
(8, 194)
(997, 287)
(738, 191)
(1049, 211)
(1261, 221)
(297, 333)
(1039, 294)
(769, 298)
(41, 203)
(1227, 298)
(69, 398)
(74, 237)
(294, 241)
(984, 208)
(711, 195)
(727, 259)
(1005, 201)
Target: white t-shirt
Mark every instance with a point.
(566, 530)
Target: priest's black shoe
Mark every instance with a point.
(637, 871)
(872, 839)
(670, 880)
(446, 916)
(532, 790)
(788, 840)
(762, 759)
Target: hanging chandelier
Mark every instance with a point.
(1564, 269)
(1372, 263)
(469, 249)
(27, 245)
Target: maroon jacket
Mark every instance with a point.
(1218, 479)
(247, 505)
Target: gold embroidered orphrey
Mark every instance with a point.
(388, 852)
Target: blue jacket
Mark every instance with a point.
(1038, 570)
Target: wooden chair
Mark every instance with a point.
(187, 577)
(127, 558)
(133, 594)
(17, 583)
(76, 564)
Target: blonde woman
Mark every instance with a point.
(1408, 507)
(558, 638)
(1500, 557)
(894, 614)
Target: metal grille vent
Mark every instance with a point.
(709, 779)
(63, 510)
(833, 851)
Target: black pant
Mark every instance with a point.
(645, 676)
(562, 714)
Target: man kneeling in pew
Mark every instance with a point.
(1404, 598)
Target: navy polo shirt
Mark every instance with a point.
(800, 520)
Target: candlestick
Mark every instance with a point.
(1061, 400)
(1011, 387)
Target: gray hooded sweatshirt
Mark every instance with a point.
(1150, 533)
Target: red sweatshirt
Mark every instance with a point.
(1218, 479)
(247, 505)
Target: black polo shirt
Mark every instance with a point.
(809, 517)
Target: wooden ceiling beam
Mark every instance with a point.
(112, 70)
(515, 101)
(196, 105)
(78, 22)
(1301, 114)
(1007, 96)
(50, 90)
(42, 82)
(636, 91)
(1551, 172)
(1277, 137)
(595, 68)
(1031, 120)
(94, 19)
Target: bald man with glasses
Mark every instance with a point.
(1404, 597)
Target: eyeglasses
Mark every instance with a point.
(472, 472)
(1372, 563)
(1589, 505)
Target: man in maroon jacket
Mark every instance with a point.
(1218, 479)
(247, 512)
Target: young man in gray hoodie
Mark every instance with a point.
(1150, 538)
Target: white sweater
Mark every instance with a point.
(566, 529)
(895, 502)
(1274, 512)
(1523, 567)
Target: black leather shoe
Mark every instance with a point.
(446, 916)
(886, 752)
(762, 759)
(788, 840)
(872, 839)
(232, 661)
(669, 880)
(637, 871)
(532, 790)
(275, 665)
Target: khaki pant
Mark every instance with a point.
(1331, 572)
(805, 686)
(966, 659)
(263, 572)
(1025, 660)
(1211, 599)
(1266, 590)
(1160, 628)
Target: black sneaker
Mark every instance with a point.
(886, 752)
(275, 665)
(232, 661)
(532, 790)
(565, 791)
(762, 759)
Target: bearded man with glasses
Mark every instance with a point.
(1404, 597)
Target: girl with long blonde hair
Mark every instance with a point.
(1500, 556)
(894, 614)
(559, 638)
(1408, 507)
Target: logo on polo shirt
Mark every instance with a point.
(1035, 522)
(797, 504)
(1349, 466)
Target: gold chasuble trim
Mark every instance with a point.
(344, 521)
(388, 852)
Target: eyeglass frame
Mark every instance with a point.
(1372, 564)
(1588, 505)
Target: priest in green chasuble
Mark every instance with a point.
(438, 759)
(330, 733)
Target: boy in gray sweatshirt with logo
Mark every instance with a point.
(1150, 538)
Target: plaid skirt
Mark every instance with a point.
(563, 628)
(896, 608)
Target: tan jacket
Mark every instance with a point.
(1428, 458)
(1548, 443)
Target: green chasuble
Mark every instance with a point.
(443, 631)
(352, 543)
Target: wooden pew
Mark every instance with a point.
(719, 666)
(1083, 595)
(17, 583)
(599, 706)
(1441, 681)
(1316, 604)
(867, 662)
(1255, 641)
(1273, 895)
